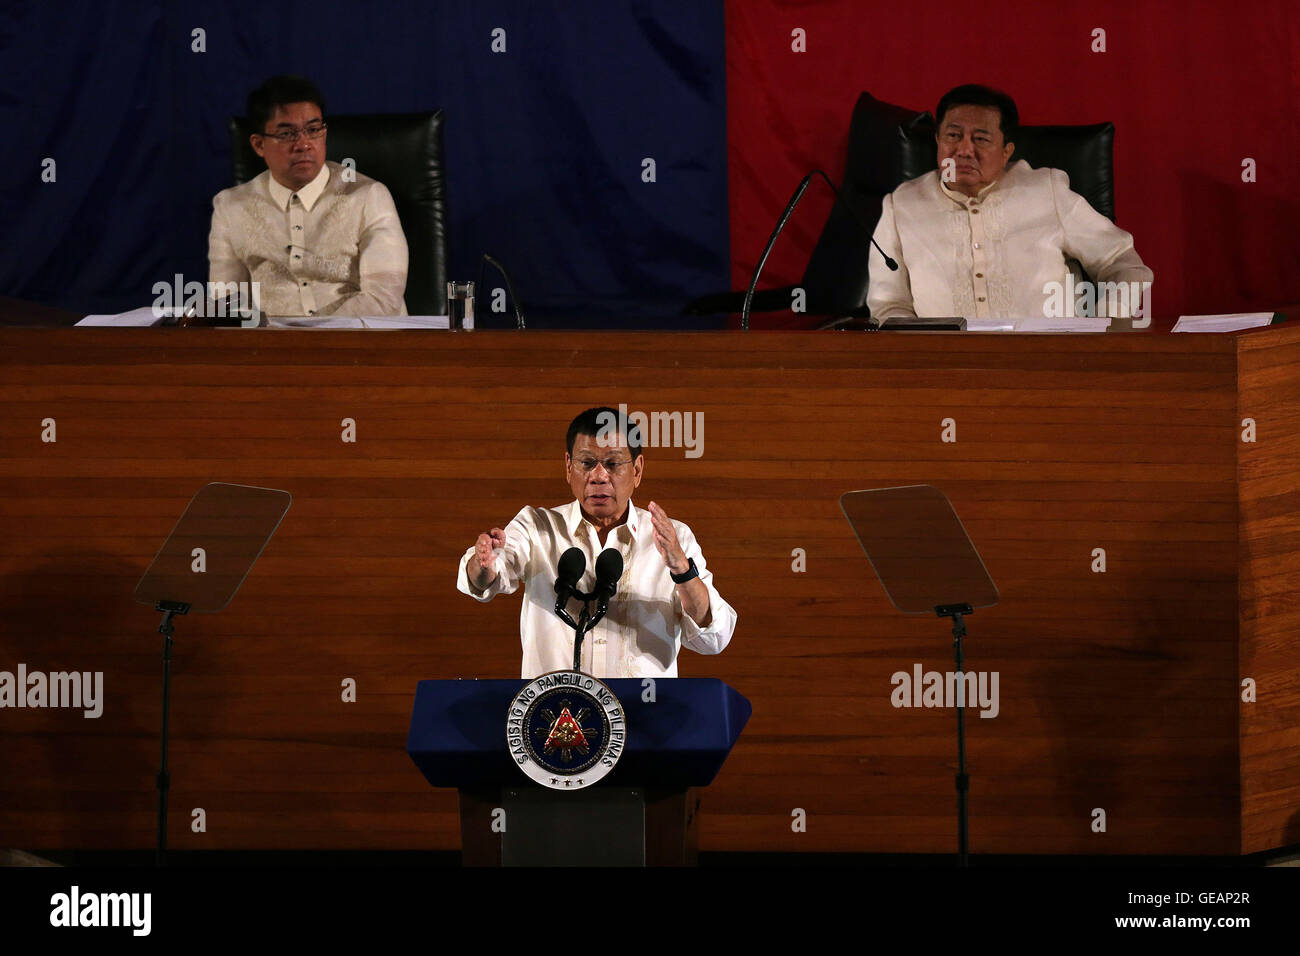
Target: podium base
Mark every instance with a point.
(600, 826)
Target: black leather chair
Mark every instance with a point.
(404, 152)
(888, 145)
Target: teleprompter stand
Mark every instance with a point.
(200, 567)
(927, 565)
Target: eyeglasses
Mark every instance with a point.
(611, 465)
(287, 137)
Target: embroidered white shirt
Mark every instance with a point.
(991, 255)
(645, 626)
(334, 247)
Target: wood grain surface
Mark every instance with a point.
(1118, 690)
(1268, 470)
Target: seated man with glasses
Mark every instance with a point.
(665, 598)
(317, 237)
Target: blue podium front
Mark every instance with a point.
(679, 733)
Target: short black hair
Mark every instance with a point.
(594, 420)
(972, 94)
(280, 91)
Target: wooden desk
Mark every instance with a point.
(1118, 690)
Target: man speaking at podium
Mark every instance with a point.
(665, 598)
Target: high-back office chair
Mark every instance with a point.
(404, 152)
(888, 145)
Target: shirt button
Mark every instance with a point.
(297, 257)
(979, 275)
(304, 285)
(981, 298)
(974, 212)
(976, 246)
(299, 228)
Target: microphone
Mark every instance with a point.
(510, 286)
(573, 564)
(609, 568)
(767, 250)
(780, 224)
(893, 266)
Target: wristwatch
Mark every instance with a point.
(691, 572)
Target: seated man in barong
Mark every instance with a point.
(984, 237)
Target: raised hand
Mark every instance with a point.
(694, 595)
(666, 542)
(482, 567)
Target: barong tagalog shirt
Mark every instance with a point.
(334, 247)
(991, 255)
(645, 626)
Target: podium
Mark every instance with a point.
(645, 812)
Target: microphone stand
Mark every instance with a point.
(780, 224)
(767, 250)
(579, 631)
(510, 286)
(586, 620)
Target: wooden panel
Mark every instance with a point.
(1269, 369)
(1117, 689)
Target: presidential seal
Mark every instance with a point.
(566, 730)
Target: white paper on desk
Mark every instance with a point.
(1222, 323)
(314, 322)
(990, 325)
(136, 318)
(361, 322)
(1074, 323)
(1060, 324)
(407, 322)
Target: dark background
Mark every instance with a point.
(544, 143)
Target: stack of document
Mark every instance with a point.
(362, 322)
(141, 318)
(1039, 324)
(136, 318)
(1223, 323)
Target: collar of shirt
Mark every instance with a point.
(280, 195)
(962, 199)
(574, 517)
